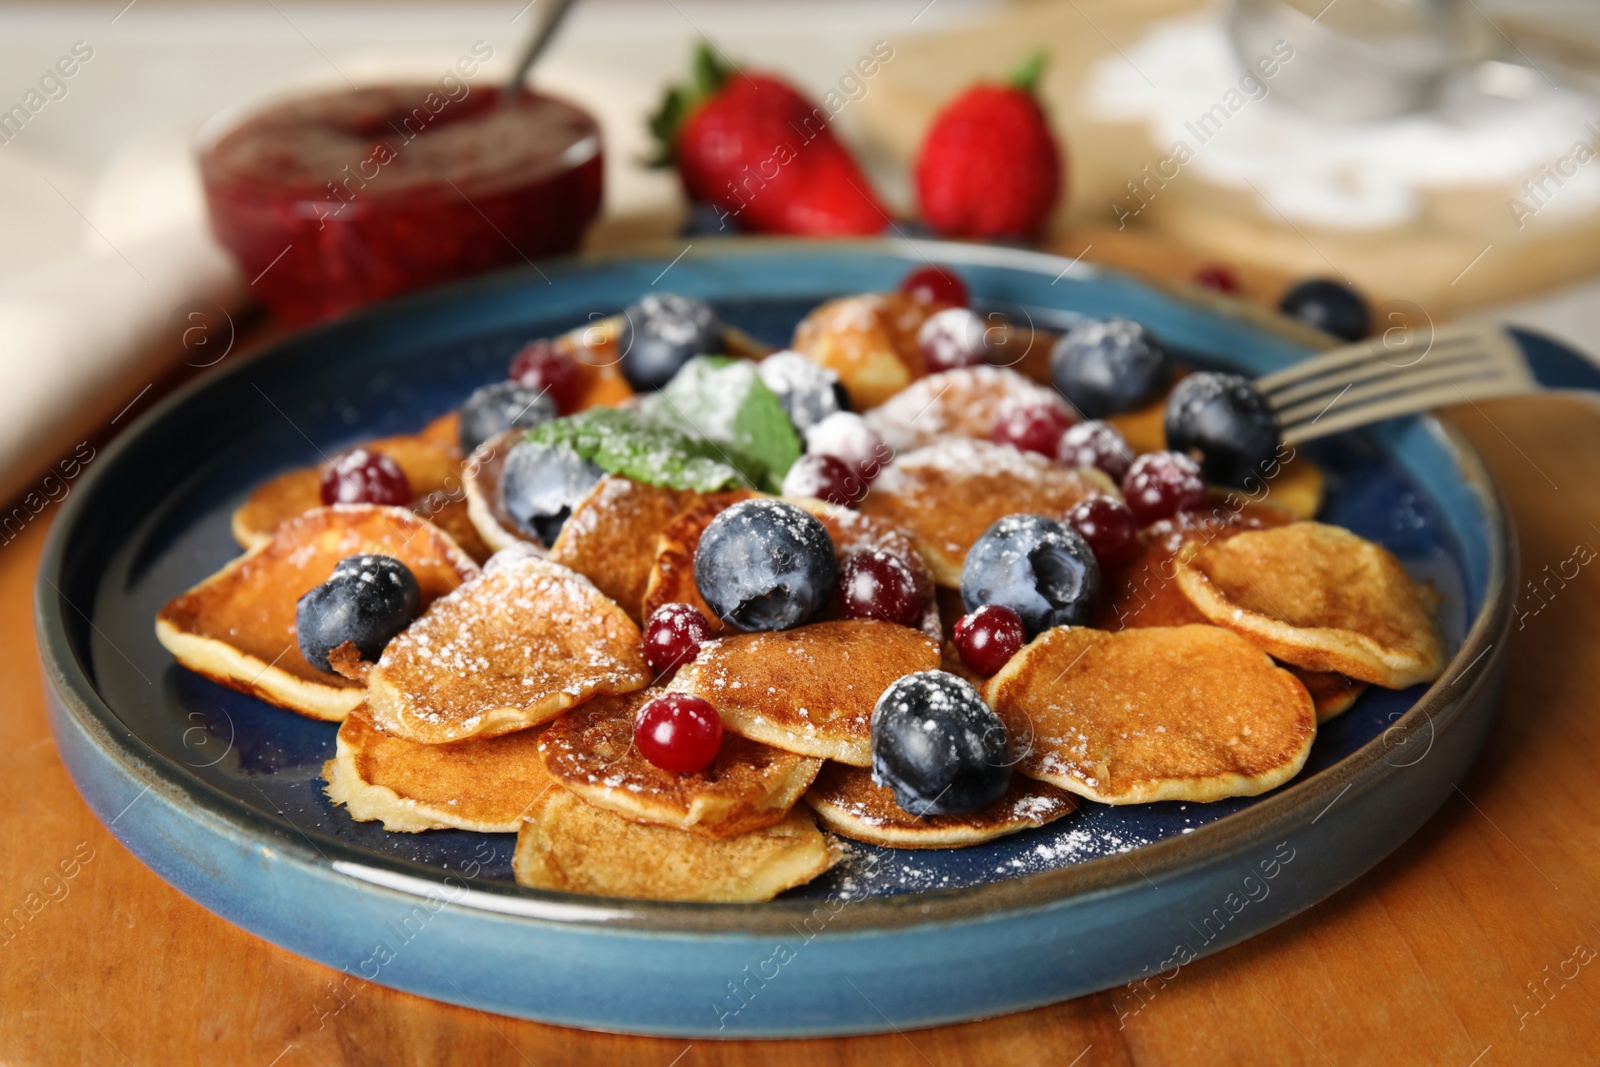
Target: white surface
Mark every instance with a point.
(1326, 173)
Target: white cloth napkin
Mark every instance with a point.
(88, 283)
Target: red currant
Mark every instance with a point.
(874, 584)
(846, 435)
(1031, 425)
(1161, 484)
(988, 638)
(1109, 527)
(951, 339)
(936, 285)
(1096, 444)
(363, 477)
(1218, 277)
(544, 366)
(673, 636)
(825, 478)
(678, 732)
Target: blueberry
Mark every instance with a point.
(541, 484)
(765, 565)
(938, 745)
(808, 391)
(661, 333)
(1041, 569)
(503, 406)
(1109, 366)
(1224, 422)
(1329, 307)
(366, 601)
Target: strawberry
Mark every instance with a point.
(764, 155)
(989, 165)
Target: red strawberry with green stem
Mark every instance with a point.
(764, 155)
(989, 165)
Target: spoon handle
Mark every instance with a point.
(555, 11)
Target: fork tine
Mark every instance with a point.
(1409, 404)
(1391, 386)
(1444, 340)
(1465, 361)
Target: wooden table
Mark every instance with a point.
(1476, 943)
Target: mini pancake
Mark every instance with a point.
(1332, 693)
(1143, 428)
(964, 402)
(1318, 597)
(947, 494)
(449, 513)
(672, 570)
(574, 847)
(611, 535)
(848, 802)
(484, 785)
(809, 690)
(1144, 591)
(481, 479)
(1160, 713)
(869, 341)
(238, 626)
(431, 466)
(747, 787)
(518, 646)
(1296, 485)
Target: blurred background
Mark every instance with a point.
(1433, 155)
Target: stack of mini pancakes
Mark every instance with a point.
(508, 705)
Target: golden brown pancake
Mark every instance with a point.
(1143, 428)
(484, 785)
(450, 515)
(611, 536)
(1296, 486)
(1144, 591)
(848, 802)
(672, 570)
(481, 479)
(518, 646)
(1159, 713)
(947, 494)
(1319, 597)
(869, 341)
(238, 626)
(963, 402)
(430, 466)
(574, 847)
(809, 690)
(747, 787)
(1332, 693)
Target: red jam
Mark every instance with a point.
(334, 201)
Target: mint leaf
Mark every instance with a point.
(638, 447)
(725, 402)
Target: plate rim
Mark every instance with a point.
(1214, 843)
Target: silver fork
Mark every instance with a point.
(1354, 385)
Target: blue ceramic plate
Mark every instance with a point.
(221, 794)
